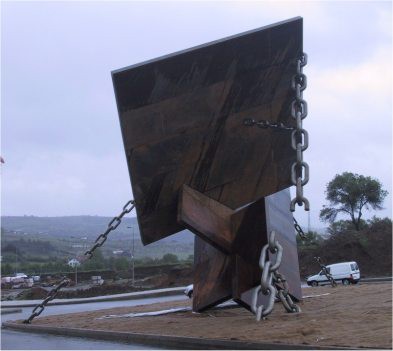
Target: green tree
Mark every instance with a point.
(170, 258)
(311, 239)
(6, 269)
(377, 223)
(121, 264)
(344, 226)
(144, 261)
(350, 193)
(96, 262)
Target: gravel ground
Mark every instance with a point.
(352, 316)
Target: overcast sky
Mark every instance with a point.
(60, 133)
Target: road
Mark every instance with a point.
(14, 340)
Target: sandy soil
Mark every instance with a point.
(354, 316)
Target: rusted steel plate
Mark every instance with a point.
(231, 269)
(182, 116)
(212, 276)
(280, 219)
(206, 217)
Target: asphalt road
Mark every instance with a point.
(15, 340)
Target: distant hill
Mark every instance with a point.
(76, 226)
(73, 233)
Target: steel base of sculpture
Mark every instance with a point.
(228, 245)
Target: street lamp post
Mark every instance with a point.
(74, 263)
(78, 242)
(132, 257)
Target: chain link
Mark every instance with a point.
(273, 283)
(299, 229)
(249, 122)
(326, 272)
(49, 297)
(299, 136)
(283, 294)
(112, 225)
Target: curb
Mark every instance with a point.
(10, 310)
(118, 297)
(173, 342)
(375, 280)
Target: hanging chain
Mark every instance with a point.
(283, 294)
(326, 272)
(267, 287)
(112, 225)
(273, 283)
(249, 122)
(300, 172)
(299, 136)
(51, 295)
(299, 229)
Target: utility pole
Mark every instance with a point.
(309, 221)
(77, 243)
(132, 257)
(74, 263)
(16, 259)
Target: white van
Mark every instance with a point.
(189, 290)
(346, 272)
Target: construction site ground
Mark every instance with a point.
(345, 316)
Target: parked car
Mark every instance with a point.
(189, 290)
(20, 282)
(6, 283)
(18, 286)
(346, 272)
(96, 280)
(36, 278)
(17, 280)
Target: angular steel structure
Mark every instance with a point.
(194, 165)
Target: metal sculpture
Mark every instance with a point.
(193, 163)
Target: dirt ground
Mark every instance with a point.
(353, 316)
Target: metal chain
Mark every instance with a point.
(273, 283)
(112, 225)
(299, 136)
(283, 294)
(299, 229)
(249, 122)
(326, 272)
(51, 295)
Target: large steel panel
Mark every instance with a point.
(182, 116)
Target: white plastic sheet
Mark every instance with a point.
(147, 314)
